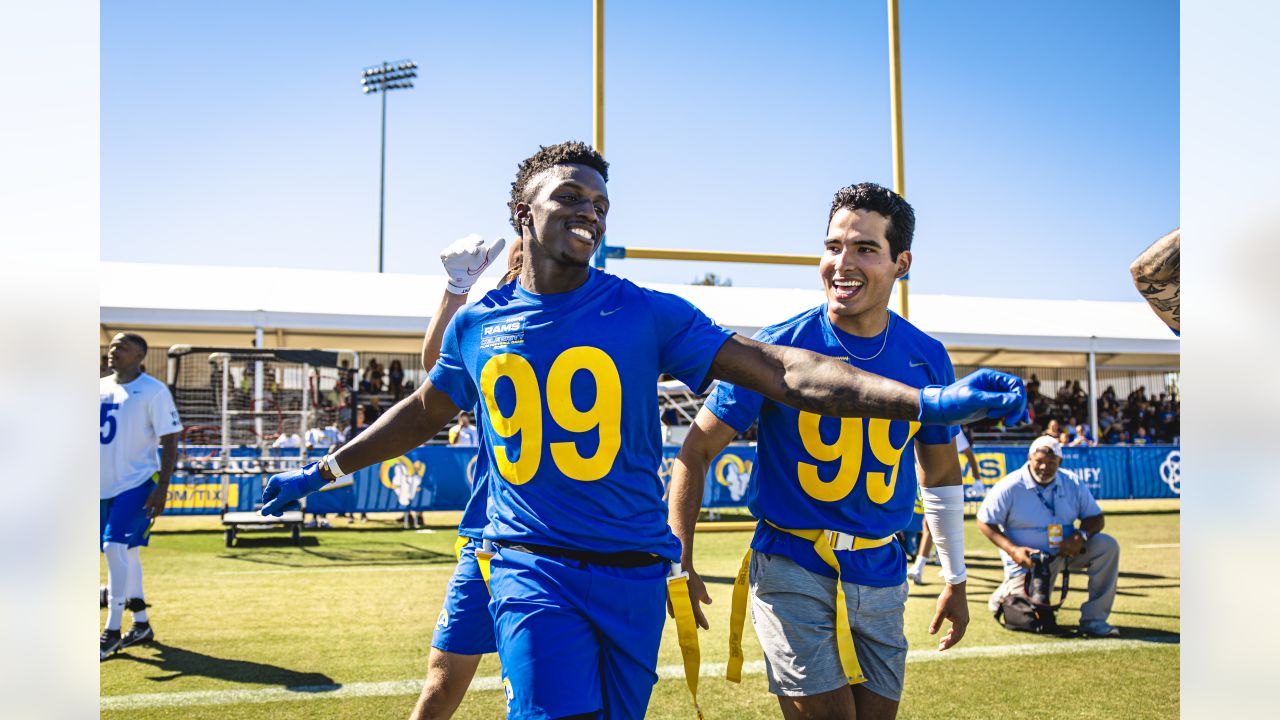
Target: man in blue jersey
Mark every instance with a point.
(561, 367)
(826, 582)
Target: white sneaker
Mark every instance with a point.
(916, 576)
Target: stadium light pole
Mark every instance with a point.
(383, 79)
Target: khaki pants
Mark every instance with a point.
(1100, 561)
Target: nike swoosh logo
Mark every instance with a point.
(917, 364)
(604, 313)
(473, 272)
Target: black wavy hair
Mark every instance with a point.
(136, 339)
(877, 198)
(565, 153)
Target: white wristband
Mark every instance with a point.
(331, 462)
(944, 512)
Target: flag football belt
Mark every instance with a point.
(825, 543)
(625, 559)
(686, 629)
(484, 554)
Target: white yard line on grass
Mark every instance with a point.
(413, 687)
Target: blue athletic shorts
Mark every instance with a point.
(465, 625)
(122, 519)
(577, 638)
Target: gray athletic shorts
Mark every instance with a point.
(794, 613)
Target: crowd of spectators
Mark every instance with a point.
(1138, 419)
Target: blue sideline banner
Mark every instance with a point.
(432, 477)
(437, 477)
(1156, 471)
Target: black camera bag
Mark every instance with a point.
(1028, 609)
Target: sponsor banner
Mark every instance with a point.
(199, 496)
(1110, 473)
(437, 477)
(1156, 471)
(433, 477)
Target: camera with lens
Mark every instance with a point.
(1040, 579)
(1031, 610)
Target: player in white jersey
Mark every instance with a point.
(136, 414)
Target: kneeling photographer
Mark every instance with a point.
(1033, 510)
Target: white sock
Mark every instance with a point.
(133, 588)
(117, 578)
(918, 567)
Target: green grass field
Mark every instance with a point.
(340, 628)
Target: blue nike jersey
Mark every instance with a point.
(853, 475)
(567, 402)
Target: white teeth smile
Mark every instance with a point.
(847, 284)
(583, 233)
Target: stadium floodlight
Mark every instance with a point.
(383, 79)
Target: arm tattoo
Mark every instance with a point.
(1157, 275)
(829, 387)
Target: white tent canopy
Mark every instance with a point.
(977, 330)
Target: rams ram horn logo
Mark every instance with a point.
(734, 473)
(404, 476)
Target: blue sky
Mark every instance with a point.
(1041, 138)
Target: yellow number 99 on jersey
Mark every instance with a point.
(848, 449)
(604, 415)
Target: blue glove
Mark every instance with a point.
(981, 394)
(287, 488)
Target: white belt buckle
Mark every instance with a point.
(840, 541)
(676, 572)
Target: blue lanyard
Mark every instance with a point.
(1049, 505)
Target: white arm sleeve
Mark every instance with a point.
(944, 512)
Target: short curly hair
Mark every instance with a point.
(565, 153)
(880, 199)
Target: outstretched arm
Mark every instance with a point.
(819, 384)
(403, 427)
(1157, 275)
(812, 382)
(707, 437)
